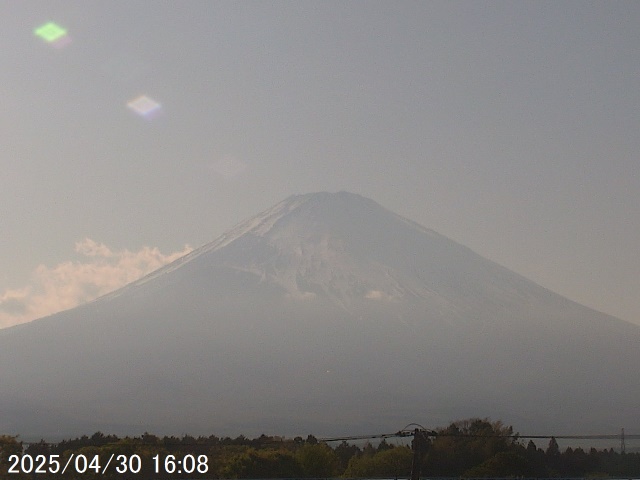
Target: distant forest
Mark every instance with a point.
(472, 448)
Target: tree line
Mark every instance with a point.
(473, 448)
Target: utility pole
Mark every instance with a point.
(622, 445)
(419, 447)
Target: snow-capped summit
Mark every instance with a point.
(324, 314)
(348, 248)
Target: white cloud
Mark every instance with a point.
(374, 294)
(70, 284)
(379, 295)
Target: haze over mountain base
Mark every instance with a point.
(326, 314)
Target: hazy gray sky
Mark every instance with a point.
(511, 127)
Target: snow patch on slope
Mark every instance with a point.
(259, 225)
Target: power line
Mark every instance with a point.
(405, 432)
(420, 438)
(431, 433)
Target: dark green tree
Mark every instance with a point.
(466, 444)
(262, 464)
(502, 464)
(318, 460)
(391, 462)
(9, 446)
(345, 452)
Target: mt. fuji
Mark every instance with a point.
(324, 314)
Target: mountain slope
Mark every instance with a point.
(329, 314)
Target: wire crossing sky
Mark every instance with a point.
(135, 131)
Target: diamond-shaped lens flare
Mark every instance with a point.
(53, 34)
(144, 106)
(50, 32)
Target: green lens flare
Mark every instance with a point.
(50, 32)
